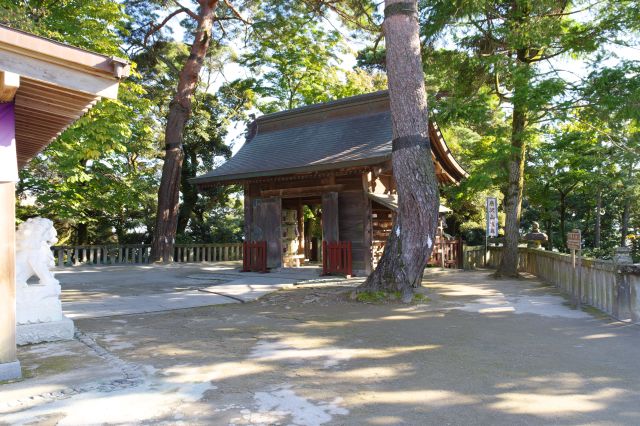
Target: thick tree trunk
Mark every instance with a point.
(82, 234)
(626, 213)
(513, 201)
(410, 243)
(179, 111)
(563, 218)
(189, 193)
(596, 230)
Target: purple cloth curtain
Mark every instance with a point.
(7, 124)
(8, 160)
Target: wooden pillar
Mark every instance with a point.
(248, 213)
(266, 226)
(368, 235)
(330, 225)
(300, 213)
(9, 364)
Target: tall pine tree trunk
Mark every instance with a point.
(179, 111)
(189, 191)
(626, 213)
(597, 232)
(513, 201)
(563, 219)
(409, 245)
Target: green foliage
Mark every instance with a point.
(97, 175)
(92, 24)
(376, 297)
(483, 58)
(295, 56)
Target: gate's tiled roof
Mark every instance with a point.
(350, 132)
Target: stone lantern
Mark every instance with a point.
(535, 238)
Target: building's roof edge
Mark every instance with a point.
(315, 108)
(44, 48)
(233, 178)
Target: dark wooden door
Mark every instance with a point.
(266, 226)
(330, 229)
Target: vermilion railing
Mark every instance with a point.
(336, 258)
(254, 256)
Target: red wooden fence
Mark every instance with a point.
(336, 258)
(254, 256)
(452, 251)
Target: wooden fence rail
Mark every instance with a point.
(473, 257)
(141, 254)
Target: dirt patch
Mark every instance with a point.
(312, 356)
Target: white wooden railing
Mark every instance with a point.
(141, 254)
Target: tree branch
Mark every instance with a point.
(187, 11)
(155, 28)
(236, 12)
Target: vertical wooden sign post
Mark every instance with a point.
(574, 243)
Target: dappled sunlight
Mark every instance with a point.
(544, 404)
(376, 373)
(562, 394)
(547, 305)
(422, 309)
(385, 420)
(368, 374)
(173, 350)
(213, 372)
(397, 318)
(146, 402)
(558, 383)
(430, 397)
(302, 349)
(599, 336)
(462, 290)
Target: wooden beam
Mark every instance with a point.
(9, 83)
(59, 75)
(27, 44)
(52, 108)
(301, 191)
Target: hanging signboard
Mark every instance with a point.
(492, 217)
(574, 240)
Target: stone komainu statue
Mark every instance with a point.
(39, 316)
(33, 254)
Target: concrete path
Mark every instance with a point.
(479, 352)
(102, 291)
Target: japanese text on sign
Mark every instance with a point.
(574, 240)
(492, 217)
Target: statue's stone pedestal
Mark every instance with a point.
(39, 315)
(27, 334)
(10, 371)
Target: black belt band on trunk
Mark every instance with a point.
(169, 146)
(409, 142)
